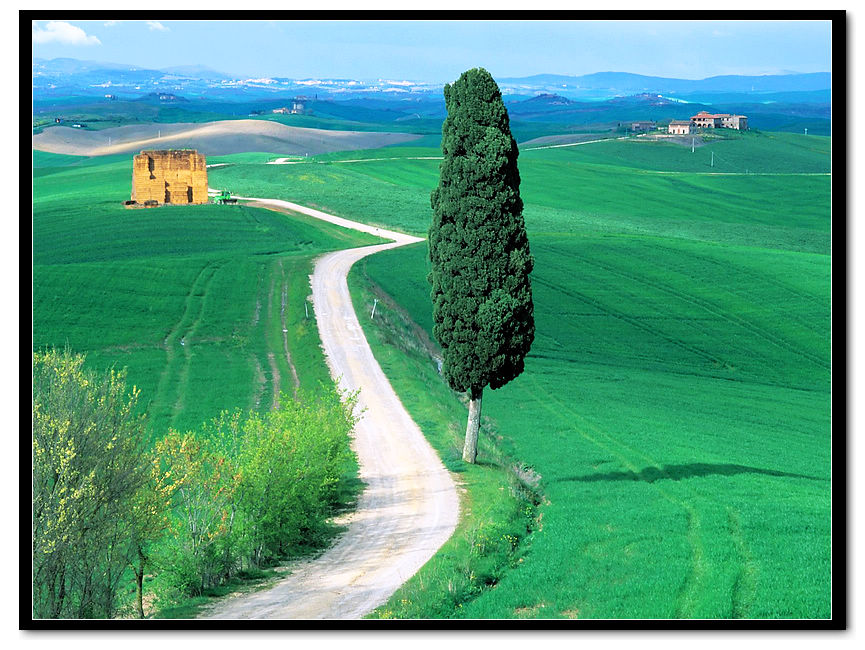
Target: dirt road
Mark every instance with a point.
(409, 507)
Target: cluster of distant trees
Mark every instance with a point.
(194, 508)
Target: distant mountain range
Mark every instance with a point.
(58, 77)
(624, 83)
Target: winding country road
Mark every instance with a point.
(409, 507)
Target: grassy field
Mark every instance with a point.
(676, 402)
(618, 194)
(673, 421)
(192, 299)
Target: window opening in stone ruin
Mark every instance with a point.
(189, 193)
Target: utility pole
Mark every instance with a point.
(374, 303)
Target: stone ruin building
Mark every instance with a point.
(169, 176)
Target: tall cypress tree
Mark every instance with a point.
(481, 293)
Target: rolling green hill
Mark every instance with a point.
(192, 299)
(624, 186)
(675, 408)
(673, 421)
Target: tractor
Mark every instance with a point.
(224, 197)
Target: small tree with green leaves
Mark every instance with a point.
(481, 292)
(87, 473)
(151, 510)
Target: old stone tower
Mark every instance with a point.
(169, 176)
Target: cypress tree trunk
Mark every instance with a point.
(470, 449)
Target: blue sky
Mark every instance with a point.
(439, 51)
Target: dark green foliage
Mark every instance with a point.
(481, 293)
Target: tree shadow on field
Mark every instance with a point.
(679, 472)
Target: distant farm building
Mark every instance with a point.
(679, 127)
(706, 120)
(296, 109)
(642, 126)
(172, 176)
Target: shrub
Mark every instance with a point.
(88, 468)
(253, 489)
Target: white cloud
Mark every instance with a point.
(156, 26)
(60, 32)
(112, 23)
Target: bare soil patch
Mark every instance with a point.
(211, 138)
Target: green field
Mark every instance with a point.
(676, 402)
(615, 191)
(192, 299)
(675, 408)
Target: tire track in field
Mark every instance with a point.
(275, 378)
(160, 396)
(805, 297)
(258, 370)
(709, 307)
(282, 321)
(638, 324)
(767, 279)
(186, 343)
(745, 586)
(744, 589)
(690, 588)
(260, 382)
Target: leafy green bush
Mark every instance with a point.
(291, 462)
(250, 490)
(198, 509)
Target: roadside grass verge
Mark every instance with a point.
(247, 581)
(497, 503)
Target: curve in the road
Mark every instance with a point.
(409, 506)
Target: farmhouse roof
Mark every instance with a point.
(706, 114)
